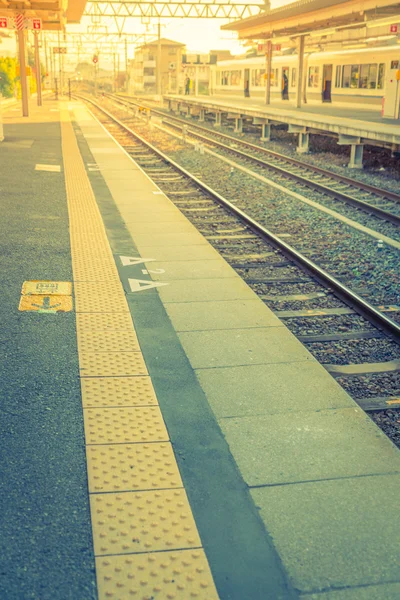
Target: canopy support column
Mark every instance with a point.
(300, 70)
(268, 57)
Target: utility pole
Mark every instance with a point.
(37, 69)
(158, 76)
(59, 65)
(46, 58)
(126, 67)
(114, 78)
(118, 71)
(22, 72)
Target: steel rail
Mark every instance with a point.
(352, 299)
(325, 189)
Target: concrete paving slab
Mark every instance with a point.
(237, 314)
(386, 591)
(267, 389)
(192, 269)
(176, 253)
(105, 147)
(333, 534)
(308, 446)
(176, 226)
(138, 198)
(234, 347)
(163, 216)
(168, 239)
(206, 290)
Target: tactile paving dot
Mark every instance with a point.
(105, 302)
(179, 575)
(109, 364)
(124, 425)
(97, 288)
(123, 467)
(103, 321)
(117, 391)
(108, 341)
(133, 522)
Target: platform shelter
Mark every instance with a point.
(315, 25)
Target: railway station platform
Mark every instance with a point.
(352, 126)
(164, 435)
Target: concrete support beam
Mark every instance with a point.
(218, 119)
(265, 128)
(356, 151)
(266, 132)
(202, 115)
(238, 125)
(304, 141)
(356, 156)
(304, 137)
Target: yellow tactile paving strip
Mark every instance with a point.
(145, 539)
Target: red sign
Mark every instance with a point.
(95, 59)
(394, 28)
(277, 47)
(19, 22)
(3, 23)
(37, 24)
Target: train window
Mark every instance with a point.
(338, 71)
(368, 77)
(294, 72)
(355, 74)
(313, 76)
(231, 77)
(236, 77)
(346, 73)
(381, 76)
(257, 77)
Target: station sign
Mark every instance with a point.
(394, 28)
(60, 50)
(20, 22)
(264, 47)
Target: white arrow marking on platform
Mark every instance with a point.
(139, 285)
(134, 260)
(155, 271)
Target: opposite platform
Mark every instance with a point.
(365, 126)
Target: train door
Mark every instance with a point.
(391, 106)
(246, 83)
(327, 83)
(285, 83)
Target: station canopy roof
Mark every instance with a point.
(53, 13)
(324, 21)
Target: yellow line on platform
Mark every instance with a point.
(145, 539)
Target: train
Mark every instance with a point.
(351, 77)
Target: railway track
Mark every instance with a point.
(381, 203)
(357, 342)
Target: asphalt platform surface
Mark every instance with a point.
(46, 541)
